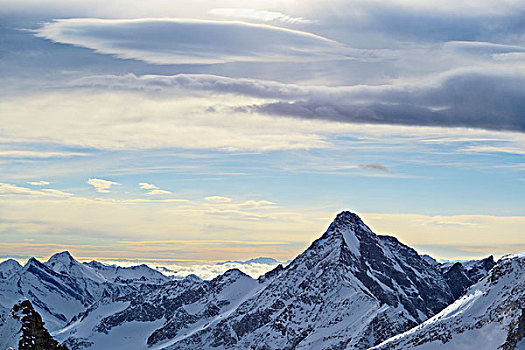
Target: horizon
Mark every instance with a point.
(206, 269)
(222, 130)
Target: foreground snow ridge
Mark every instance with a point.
(351, 289)
(491, 315)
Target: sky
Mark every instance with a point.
(184, 133)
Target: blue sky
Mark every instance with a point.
(225, 130)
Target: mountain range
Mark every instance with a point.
(351, 289)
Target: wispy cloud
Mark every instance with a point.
(218, 199)
(152, 189)
(102, 186)
(494, 149)
(38, 183)
(14, 190)
(39, 154)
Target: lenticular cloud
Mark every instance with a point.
(183, 41)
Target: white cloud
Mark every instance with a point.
(38, 183)
(14, 190)
(147, 186)
(209, 271)
(101, 186)
(257, 15)
(257, 204)
(189, 41)
(494, 149)
(39, 154)
(152, 189)
(155, 192)
(56, 193)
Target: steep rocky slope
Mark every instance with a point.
(491, 315)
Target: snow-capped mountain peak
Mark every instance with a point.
(64, 263)
(347, 225)
(62, 257)
(33, 263)
(346, 219)
(8, 268)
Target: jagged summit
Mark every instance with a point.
(346, 220)
(61, 262)
(64, 256)
(33, 262)
(347, 232)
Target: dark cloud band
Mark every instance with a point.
(483, 99)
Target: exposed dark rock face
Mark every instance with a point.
(457, 280)
(490, 315)
(34, 336)
(516, 333)
(460, 276)
(479, 269)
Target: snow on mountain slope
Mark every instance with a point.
(8, 268)
(92, 284)
(491, 315)
(57, 297)
(159, 317)
(62, 287)
(64, 263)
(350, 288)
(140, 274)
